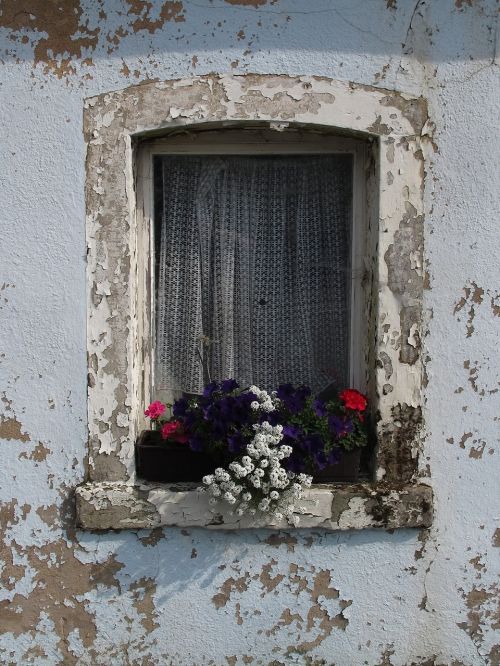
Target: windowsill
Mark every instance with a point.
(118, 505)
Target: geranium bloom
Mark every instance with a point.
(155, 410)
(173, 430)
(353, 399)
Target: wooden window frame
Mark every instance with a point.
(257, 141)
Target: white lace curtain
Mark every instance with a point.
(254, 255)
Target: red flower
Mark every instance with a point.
(353, 399)
(173, 430)
(155, 410)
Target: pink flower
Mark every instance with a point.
(155, 410)
(173, 430)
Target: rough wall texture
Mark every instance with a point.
(188, 596)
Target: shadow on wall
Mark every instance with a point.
(178, 558)
(61, 34)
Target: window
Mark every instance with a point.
(258, 245)
(393, 130)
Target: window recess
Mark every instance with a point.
(392, 131)
(258, 250)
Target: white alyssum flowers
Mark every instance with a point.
(257, 481)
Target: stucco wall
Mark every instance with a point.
(184, 597)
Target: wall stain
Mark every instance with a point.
(68, 33)
(60, 580)
(39, 453)
(282, 538)
(171, 10)
(473, 295)
(10, 428)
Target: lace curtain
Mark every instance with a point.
(254, 258)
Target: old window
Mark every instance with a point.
(258, 244)
(392, 128)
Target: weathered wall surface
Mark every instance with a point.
(183, 597)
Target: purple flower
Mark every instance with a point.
(292, 431)
(229, 385)
(210, 389)
(293, 399)
(180, 407)
(319, 407)
(273, 418)
(339, 426)
(313, 443)
(236, 443)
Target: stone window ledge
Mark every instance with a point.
(118, 505)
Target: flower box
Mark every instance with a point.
(167, 461)
(347, 469)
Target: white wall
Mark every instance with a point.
(191, 597)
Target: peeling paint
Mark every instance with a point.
(331, 592)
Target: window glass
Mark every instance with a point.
(253, 270)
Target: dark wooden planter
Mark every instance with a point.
(165, 461)
(347, 469)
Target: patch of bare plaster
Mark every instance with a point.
(241, 584)
(413, 109)
(318, 616)
(153, 538)
(385, 363)
(269, 583)
(405, 279)
(476, 452)
(50, 515)
(171, 10)
(143, 591)
(67, 32)
(255, 102)
(59, 582)
(473, 296)
(483, 606)
(496, 538)
(39, 453)
(10, 428)
(282, 538)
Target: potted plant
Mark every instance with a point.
(322, 438)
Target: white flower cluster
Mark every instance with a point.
(264, 400)
(257, 481)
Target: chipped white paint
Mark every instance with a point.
(114, 120)
(120, 505)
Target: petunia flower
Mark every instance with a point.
(229, 385)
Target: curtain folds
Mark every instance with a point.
(254, 259)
